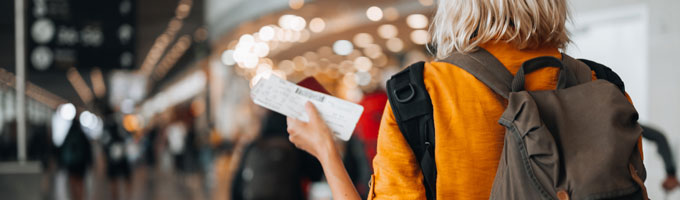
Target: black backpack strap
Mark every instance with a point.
(606, 73)
(412, 109)
(486, 68)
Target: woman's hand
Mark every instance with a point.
(314, 137)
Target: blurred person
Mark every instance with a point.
(8, 141)
(75, 155)
(183, 144)
(466, 111)
(271, 167)
(664, 150)
(41, 148)
(114, 139)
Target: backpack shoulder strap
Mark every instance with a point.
(579, 71)
(486, 68)
(412, 109)
(606, 73)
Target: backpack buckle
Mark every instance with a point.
(408, 98)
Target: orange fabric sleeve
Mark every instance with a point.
(396, 173)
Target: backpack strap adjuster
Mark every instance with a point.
(408, 98)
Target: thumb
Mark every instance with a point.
(313, 113)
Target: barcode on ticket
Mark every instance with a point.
(310, 95)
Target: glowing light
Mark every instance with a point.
(416, 21)
(304, 36)
(420, 37)
(362, 78)
(286, 20)
(87, 119)
(67, 111)
(239, 54)
(373, 50)
(387, 31)
(363, 39)
(288, 35)
(287, 66)
(131, 123)
(250, 61)
(228, 57)
(391, 14)
(246, 40)
(342, 47)
(296, 36)
(426, 2)
(311, 56)
(317, 25)
(299, 63)
(356, 53)
(266, 33)
(363, 64)
(394, 45)
(346, 67)
(261, 49)
(311, 69)
(298, 24)
(292, 22)
(263, 68)
(280, 34)
(296, 4)
(374, 13)
(349, 80)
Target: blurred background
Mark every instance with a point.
(149, 99)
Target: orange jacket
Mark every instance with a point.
(469, 138)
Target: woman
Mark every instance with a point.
(465, 110)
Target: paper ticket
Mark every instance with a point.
(289, 99)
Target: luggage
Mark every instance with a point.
(579, 141)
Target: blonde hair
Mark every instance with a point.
(462, 25)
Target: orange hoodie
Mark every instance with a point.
(469, 138)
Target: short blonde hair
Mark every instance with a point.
(462, 25)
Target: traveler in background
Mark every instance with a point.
(75, 155)
(466, 112)
(671, 181)
(114, 140)
(272, 168)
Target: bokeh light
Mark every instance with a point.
(363, 64)
(266, 33)
(416, 21)
(387, 31)
(342, 47)
(228, 57)
(374, 13)
(394, 45)
(420, 37)
(317, 25)
(363, 39)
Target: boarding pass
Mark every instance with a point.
(289, 99)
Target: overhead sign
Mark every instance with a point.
(80, 33)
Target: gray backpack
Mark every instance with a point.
(579, 141)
